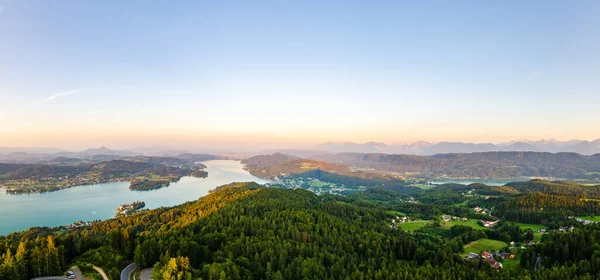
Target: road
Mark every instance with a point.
(127, 271)
(146, 274)
(101, 272)
(75, 270)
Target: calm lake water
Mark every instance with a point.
(92, 202)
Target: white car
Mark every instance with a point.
(70, 274)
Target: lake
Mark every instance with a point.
(93, 202)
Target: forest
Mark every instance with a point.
(246, 231)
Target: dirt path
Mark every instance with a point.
(101, 272)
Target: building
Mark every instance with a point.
(472, 256)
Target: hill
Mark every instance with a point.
(477, 165)
(9, 167)
(278, 166)
(244, 231)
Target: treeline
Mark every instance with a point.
(542, 208)
(556, 187)
(576, 251)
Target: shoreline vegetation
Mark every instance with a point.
(143, 173)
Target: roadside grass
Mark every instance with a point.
(484, 244)
(136, 274)
(414, 225)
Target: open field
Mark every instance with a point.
(590, 218)
(470, 223)
(537, 236)
(421, 186)
(534, 227)
(484, 244)
(462, 204)
(397, 213)
(414, 225)
(510, 264)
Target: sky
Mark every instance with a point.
(77, 74)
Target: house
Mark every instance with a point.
(485, 254)
(531, 243)
(542, 230)
(489, 224)
(472, 256)
(464, 219)
(478, 209)
(506, 255)
(496, 265)
(446, 218)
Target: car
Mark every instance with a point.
(70, 274)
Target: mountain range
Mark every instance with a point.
(37, 155)
(425, 148)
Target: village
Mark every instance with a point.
(124, 210)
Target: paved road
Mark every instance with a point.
(146, 274)
(75, 270)
(127, 271)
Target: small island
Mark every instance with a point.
(125, 210)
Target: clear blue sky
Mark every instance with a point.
(131, 73)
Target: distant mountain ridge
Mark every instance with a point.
(424, 148)
(54, 156)
(490, 165)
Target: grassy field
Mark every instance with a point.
(510, 264)
(537, 236)
(423, 187)
(462, 204)
(595, 218)
(413, 225)
(470, 223)
(534, 227)
(484, 244)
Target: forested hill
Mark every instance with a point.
(477, 165)
(243, 231)
(10, 167)
(280, 165)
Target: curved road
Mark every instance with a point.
(127, 271)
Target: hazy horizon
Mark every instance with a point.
(243, 75)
